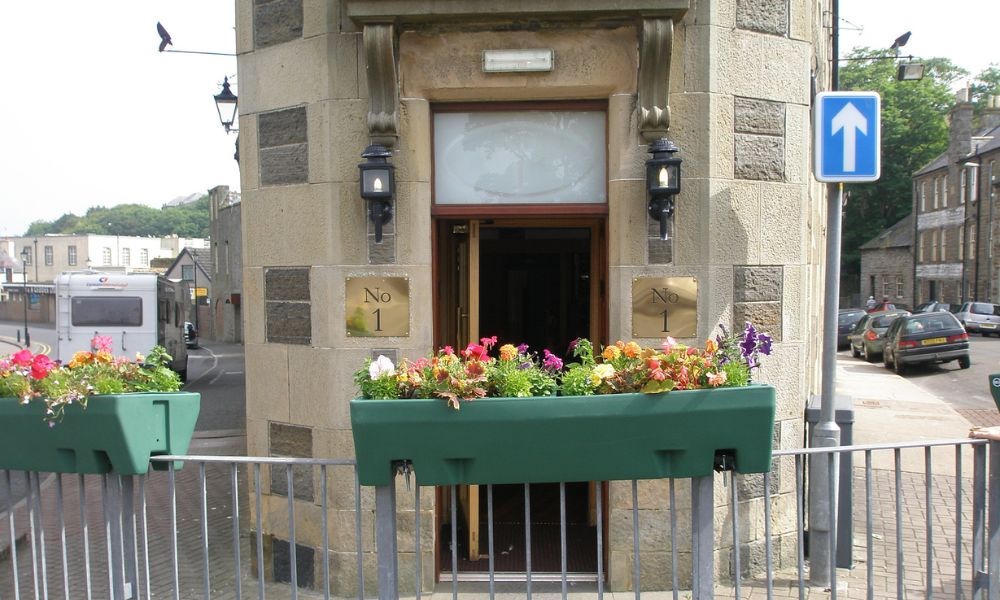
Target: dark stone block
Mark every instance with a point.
(302, 481)
(282, 127)
(760, 157)
(765, 16)
(384, 253)
(286, 284)
(660, 252)
(290, 440)
(284, 165)
(761, 117)
(305, 558)
(276, 22)
(757, 284)
(765, 316)
(289, 323)
(390, 353)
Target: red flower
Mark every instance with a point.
(475, 352)
(475, 369)
(22, 358)
(40, 366)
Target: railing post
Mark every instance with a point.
(703, 538)
(993, 541)
(979, 581)
(385, 540)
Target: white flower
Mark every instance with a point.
(604, 370)
(381, 366)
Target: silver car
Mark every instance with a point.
(980, 317)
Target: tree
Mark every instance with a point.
(914, 132)
(187, 220)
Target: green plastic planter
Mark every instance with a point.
(115, 433)
(565, 438)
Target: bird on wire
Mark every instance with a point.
(164, 36)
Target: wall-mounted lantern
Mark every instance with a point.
(225, 103)
(377, 186)
(663, 181)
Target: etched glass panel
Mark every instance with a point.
(529, 157)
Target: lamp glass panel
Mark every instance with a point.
(520, 157)
(227, 111)
(375, 180)
(910, 72)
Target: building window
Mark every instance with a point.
(972, 242)
(937, 190)
(944, 190)
(144, 257)
(920, 246)
(71, 256)
(923, 196)
(27, 257)
(942, 241)
(49, 256)
(126, 256)
(899, 286)
(961, 243)
(962, 185)
(187, 272)
(934, 246)
(886, 288)
(106, 256)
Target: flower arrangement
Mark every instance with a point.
(466, 375)
(727, 360)
(30, 377)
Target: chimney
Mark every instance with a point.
(959, 141)
(991, 113)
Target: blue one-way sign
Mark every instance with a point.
(848, 136)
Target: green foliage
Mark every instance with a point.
(914, 132)
(186, 220)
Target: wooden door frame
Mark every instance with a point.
(474, 219)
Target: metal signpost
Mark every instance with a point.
(847, 137)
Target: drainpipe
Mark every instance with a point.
(973, 187)
(989, 257)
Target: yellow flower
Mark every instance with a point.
(81, 358)
(595, 380)
(611, 353)
(711, 346)
(508, 352)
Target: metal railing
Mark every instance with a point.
(234, 527)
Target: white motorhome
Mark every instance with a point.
(136, 310)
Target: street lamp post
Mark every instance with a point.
(24, 294)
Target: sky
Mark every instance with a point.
(95, 115)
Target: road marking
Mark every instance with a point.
(215, 363)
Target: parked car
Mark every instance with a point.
(190, 335)
(883, 306)
(981, 317)
(847, 318)
(933, 306)
(866, 339)
(935, 337)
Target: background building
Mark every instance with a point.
(887, 265)
(953, 198)
(51, 254)
(227, 262)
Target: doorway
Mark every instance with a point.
(538, 281)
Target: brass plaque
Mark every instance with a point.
(663, 306)
(377, 306)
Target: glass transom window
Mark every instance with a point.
(520, 157)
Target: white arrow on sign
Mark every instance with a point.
(850, 120)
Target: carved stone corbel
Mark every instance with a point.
(383, 88)
(654, 77)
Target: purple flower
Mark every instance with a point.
(525, 365)
(749, 342)
(522, 348)
(764, 343)
(572, 346)
(552, 361)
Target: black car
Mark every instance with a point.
(847, 318)
(190, 335)
(923, 338)
(933, 306)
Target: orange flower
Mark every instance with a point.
(508, 352)
(632, 349)
(711, 346)
(611, 353)
(81, 358)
